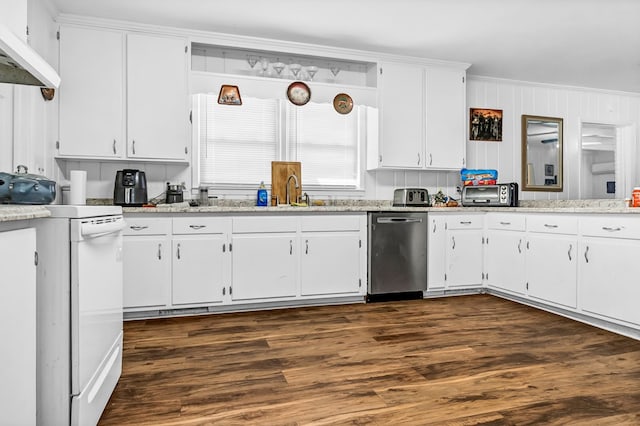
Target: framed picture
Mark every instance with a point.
(548, 169)
(485, 124)
(229, 95)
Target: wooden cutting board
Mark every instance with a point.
(280, 172)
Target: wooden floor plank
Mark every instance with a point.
(472, 360)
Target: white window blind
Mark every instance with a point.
(326, 143)
(237, 142)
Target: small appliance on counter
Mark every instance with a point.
(174, 193)
(500, 195)
(22, 187)
(130, 189)
(411, 197)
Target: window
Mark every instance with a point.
(237, 143)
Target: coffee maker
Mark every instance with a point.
(130, 189)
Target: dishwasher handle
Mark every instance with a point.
(397, 219)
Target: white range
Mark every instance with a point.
(79, 305)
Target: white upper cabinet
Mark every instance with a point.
(401, 103)
(123, 95)
(91, 93)
(422, 118)
(157, 97)
(445, 118)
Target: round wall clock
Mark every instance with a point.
(298, 93)
(343, 103)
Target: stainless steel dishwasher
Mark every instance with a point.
(397, 255)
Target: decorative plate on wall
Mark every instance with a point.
(298, 93)
(343, 103)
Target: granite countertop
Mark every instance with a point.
(363, 206)
(11, 212)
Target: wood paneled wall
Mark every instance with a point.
(573, 105)
(513, 97)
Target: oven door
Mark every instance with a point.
(96, 314)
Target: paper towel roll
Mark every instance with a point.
(78, 192)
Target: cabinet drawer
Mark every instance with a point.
(255, 224)
(552, 224)
(506, 221)
(610, 226)
(465, 222)
(147, 226)
(200, 225)
(330, 223)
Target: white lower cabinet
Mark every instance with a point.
(436, 252)
(552, 248)
(18, 327)
(147, 266)
(200, 261)
(609, 284)
(455, 247)
(505, 252)
(264, 266)
(331, 255)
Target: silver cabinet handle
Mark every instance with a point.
(586, 252)
(453, 240)
(546, 225)
(290, 246)
(520, 245)
(505, 223)
(114, 147)
(178, 252)
(527, 245)
(138, 227)
(430, 159)
(418, 159)
(610, 229)
(569, 252)
(434, 226)
(306, 251)
(133, 147)
(197, 227)
(465, 222)
(159, 251)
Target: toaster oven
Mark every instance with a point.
(500, 195)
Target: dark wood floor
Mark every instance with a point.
(452, 361)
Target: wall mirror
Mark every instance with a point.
(541, 153)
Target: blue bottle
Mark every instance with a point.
(262, 195)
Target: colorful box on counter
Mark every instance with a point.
(478, 177)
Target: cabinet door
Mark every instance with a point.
(147, 272)
(401, 108)
(445, 118)
(263, 266)
(609, 283)
(464, 258)
(330, 263)
(91, 93)
(198, 269)
(552, 268)
(505, 260)
(436, 252)
(18, 327)
(156, 97)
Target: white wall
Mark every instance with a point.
(573, 105)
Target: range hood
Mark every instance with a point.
(20, 64)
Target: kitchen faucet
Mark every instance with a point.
(295, 180)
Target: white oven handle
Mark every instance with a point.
(95, 230)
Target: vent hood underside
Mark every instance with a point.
(20, 64)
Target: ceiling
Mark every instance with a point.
(587, 43)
